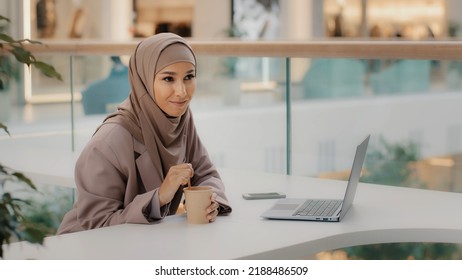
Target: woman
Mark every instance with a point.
(135, 166)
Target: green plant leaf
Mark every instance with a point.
(33, 232)
(23, 55)
(4, 234)
(2, 126)
(6, 38)
(47, 70)
(3, 169)
(22, 178)
(4, 18)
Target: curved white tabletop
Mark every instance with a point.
(379, 214)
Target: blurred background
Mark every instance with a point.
(410, 106)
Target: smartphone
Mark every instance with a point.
(267, 195)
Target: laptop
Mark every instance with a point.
(328, 210)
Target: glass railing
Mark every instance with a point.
(295, 108)
(403, 93)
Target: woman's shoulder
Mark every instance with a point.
(117, 137)
(113, 135)
(111, 144)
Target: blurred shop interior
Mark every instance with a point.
(408, 103)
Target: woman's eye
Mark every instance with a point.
(189, 77)
(168, 79)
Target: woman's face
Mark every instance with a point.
(174, 87)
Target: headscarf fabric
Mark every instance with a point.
(161, 134)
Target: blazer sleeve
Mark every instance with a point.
(107, 185)
(205, 172)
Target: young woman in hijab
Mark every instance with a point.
(134, 168)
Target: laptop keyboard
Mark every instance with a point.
(318, 208)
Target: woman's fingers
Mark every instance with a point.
(180, 174)
(212, 210)
(176, 176)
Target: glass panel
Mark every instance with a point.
(409, 107)
(327, 78)
(240, 113)
(40, 130)
(101, 84)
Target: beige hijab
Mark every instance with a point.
(161, 134)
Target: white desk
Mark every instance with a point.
(379, 214)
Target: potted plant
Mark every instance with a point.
(13, 53)
(13, 221)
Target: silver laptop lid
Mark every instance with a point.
(354, 176)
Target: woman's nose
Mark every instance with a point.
(180, 88)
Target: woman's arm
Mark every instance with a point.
(108, 185)
(205, 172)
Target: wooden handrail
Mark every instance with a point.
(367, 49)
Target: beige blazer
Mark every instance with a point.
(117, 182)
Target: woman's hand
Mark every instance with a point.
(212, 210)
(176, 176)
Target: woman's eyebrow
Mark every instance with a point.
(168, 73)
(172, 73)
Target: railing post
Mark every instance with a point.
(72, 103)
(288, 119)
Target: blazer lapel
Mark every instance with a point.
(150, 175)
